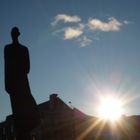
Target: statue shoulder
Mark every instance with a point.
(7, 47)
(23, 47)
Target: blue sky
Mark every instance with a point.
(78, 48)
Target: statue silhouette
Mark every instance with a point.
(24, 107)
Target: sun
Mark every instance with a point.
(110, 108)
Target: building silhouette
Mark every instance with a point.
(60, 121)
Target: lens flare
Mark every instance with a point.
(110, 108)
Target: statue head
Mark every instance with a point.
(15, 33)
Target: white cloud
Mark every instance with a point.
(112, 25)
(82, 31)
(65, 18)
(70, 33)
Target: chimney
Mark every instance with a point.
(53, 101)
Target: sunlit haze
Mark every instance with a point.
(77, 49)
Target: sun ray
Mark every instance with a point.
(89, 129)
(124, 129)
(100, 129)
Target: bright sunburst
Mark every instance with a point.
(110, 108)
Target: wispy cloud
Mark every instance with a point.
(126, 22)
(65, 18)
(83, 31)
(112, 24)
(84, 41)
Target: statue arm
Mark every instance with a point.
(6, 69)
(27, 61)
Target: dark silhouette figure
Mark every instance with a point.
(24, 107)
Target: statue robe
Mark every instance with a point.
(24, 107)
